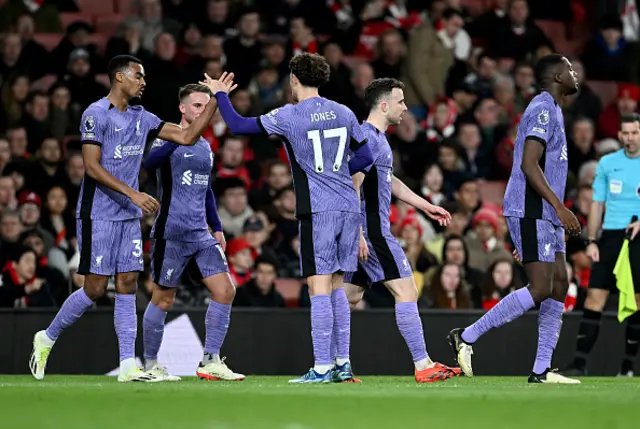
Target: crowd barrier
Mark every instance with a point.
(278, 342)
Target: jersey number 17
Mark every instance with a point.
(314, 136)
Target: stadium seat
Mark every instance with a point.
(125, 6)
(290, 290)
(492, 191)
(48, 40)
(96, 7)
(44, 83)
(607, 91)
(103, 79)
(69, 18)
(108, 24)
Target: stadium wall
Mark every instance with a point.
(278, 342)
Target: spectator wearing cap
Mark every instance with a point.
(44, 14)
(19, 286)
(261, 291)
(278, 177)
(79, 77)
(77, 37)
(233, 209)
(608, 55)
(240, 257)
(53, 266)
(47, 170)
(153, 23)
(10, 230)
(29, 205)
(257, 235)
(485, 247)
(626, 104)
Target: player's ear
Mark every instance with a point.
(182, 108)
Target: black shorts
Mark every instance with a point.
(609, 244)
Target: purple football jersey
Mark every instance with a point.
(318, 135)
(183, 182)
(542, 121)
(122, 137)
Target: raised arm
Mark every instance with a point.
(237, 124)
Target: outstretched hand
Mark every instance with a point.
(437, 213)
(223, 84)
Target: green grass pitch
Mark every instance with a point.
(96, 402)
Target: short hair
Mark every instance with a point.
(545, 67)
(120, 63)
(450, 12)
(35, 93)
(378, 89)
(193, 88)
(266, 259)
(628, 119)
(312, 70)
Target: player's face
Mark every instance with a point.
(132, 80)
(26, 266)
(569, 78)
(194, 105)
(450, 277)
(629, 136)
(395, 106)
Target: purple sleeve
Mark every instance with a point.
(361, 160)
(358, 136)
(538, 123)
(93, 125)
(153, 123)
(160, 152)
(276, 121)
(236, 123)
(212, 212)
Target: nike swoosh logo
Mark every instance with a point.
(119, 129)
(188, 155)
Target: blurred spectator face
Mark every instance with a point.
(518, 12)
(450, 277)
(453, 25)
(192, 36)
(50, 151)
(75, 169)
(587, 173)
(217, 10)
(629, 136)
(165, 47)
(213, 68)
(268, 225)
(26, 266)
(39, 107)
(80, 38)
(56, 200)
(611, 36)
(585, 195)
(299, 30)
(287, 201)
(333, 54)
(407, 129)
(433, 178)
(583, 134)
(193, 106)
(436, 10)
(504, 92)
(80, 67)
(447, 158)
(241, 101)
(265, 276)
(487, 114)
(232, 153)
(627, 105)
(410, 234)
(256, 238)
(267, 78)
(10, 228)
(249, 25)
(470, 136)
(18, 141)
(279, 176)
(465, 100)
(151, 11)
(457, 225)
(29, 214)
(502, 275)
(61, 97)
(234, 200)
(242, 260)
(524, 77)
(212, 47)
(12, 48)
(362, 77)
(7, 190)
(391, 46)
(441, 115)
(468, 196)
(34, 242)
(5, 152)
(455, 252)
(26, 27)
(484, 231)
(275, 54)
(20, 89)
(487, 68)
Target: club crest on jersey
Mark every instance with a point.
(543, 117)
(138, 133)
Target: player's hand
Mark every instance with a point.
(363, 249)
(224, 84)
(437, 213)
(219, 235)
(146, 202)
(516, 256)
(634, 228)
(593, 252)
(569, 220)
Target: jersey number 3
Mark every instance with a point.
(314, 136)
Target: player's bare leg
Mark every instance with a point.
(162, 300)
(341, 340)
(72, 309)
(549, 325)
(320, 289)
(512, 306)
(216, 322)
(354, 294)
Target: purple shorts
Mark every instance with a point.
(108, 248)
(386, 261)
(536, 240)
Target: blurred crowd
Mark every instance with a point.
(467, 67)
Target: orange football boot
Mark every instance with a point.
(438, 372)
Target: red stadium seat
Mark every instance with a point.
(607, 91)
(69, 18)
(108, 24)
(48, 40)
(44, 83)
(290, 290)
(103, 79)
(97, 7)
(492, 192)
(125, 6)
